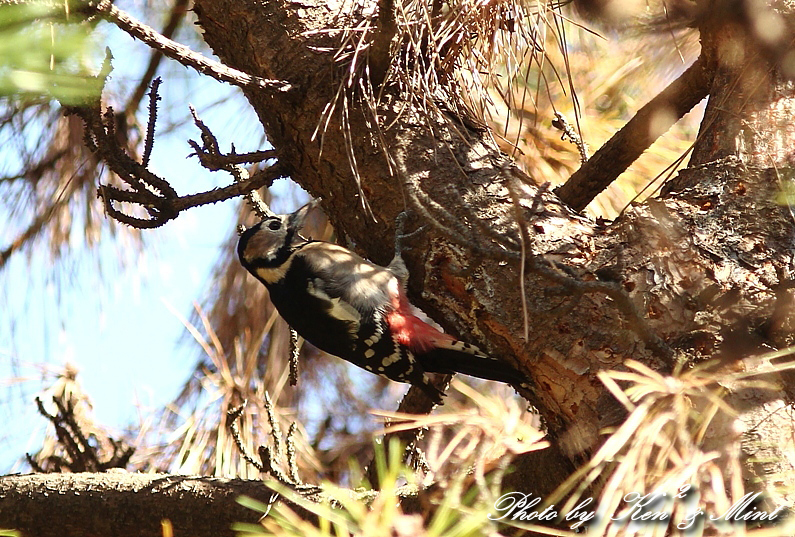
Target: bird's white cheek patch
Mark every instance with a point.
(275, 274)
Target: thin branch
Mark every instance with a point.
(561, 124)
(82, 455)
(211, 157)
(153, 193)
(651, 121)
(292, 464)
(102, 127)
(149, 141)
(263, 178)
(176, 16)
(218, 161)
(379, 57)
(295, 351)
(179, 52)
(276, 431)
(231, 421)
(269, 463)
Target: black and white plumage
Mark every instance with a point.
(354, 309)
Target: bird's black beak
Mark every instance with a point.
(297, 219)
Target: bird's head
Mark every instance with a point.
(270, 243)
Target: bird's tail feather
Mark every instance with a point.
(448, 360)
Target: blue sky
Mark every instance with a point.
(117, 330)
(109, 314)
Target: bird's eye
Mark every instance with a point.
(274, 225)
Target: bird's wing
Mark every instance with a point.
(353, 282)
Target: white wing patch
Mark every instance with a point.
(339, 308)
(361, 283)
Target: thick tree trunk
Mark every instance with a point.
(734, 190)
(706, 266)
(705, 271)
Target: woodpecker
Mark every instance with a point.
(356, 310)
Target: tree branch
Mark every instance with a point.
(175, 18)
(263, 178)
(379, 57)
(153, 193)
(651, 121)
(179, 52)
(198, 506)
(211, 158)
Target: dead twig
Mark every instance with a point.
(561, 124)
(211, 158)
(179, 52)
(82, 454)
(149, 142)
(272, 460)
(295, 351)
(151, 192)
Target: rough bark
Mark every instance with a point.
(708, 266)
(700, 266)
(459, 168)
(740, 166)
(118, 503)
(138, 505)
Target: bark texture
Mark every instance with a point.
(118, 503)
(704, 266)
(707, 268)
